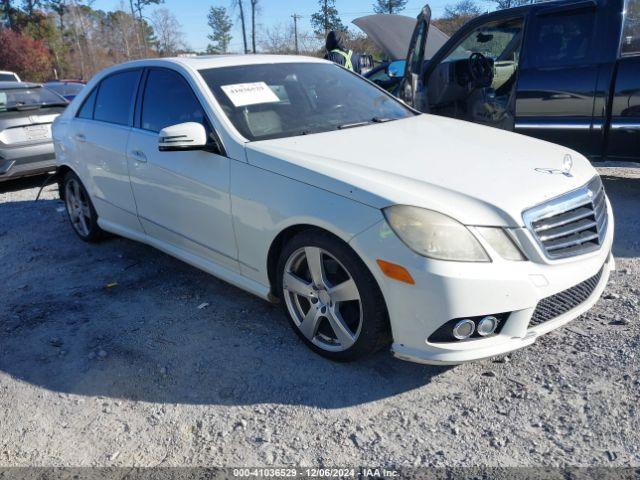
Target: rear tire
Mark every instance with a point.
(80, 210)
(331, 298)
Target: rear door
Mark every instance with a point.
(558, 76)
(623, 138)
(99, 133)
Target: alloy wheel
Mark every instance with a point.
(78, 207)
(322, 299)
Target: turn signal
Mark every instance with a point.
(396, 272)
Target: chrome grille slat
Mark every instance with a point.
(563, 219)
(572, 224)
(565, 230)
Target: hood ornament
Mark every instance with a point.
(567, 165)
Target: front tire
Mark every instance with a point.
(80, 210)
(331, 298)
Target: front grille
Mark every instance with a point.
(560, 303)
(570, 225)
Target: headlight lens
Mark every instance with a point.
(501, 243)
(434, 235)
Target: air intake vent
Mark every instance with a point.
(570, 225)
(560, 303)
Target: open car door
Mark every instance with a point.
(412, 87)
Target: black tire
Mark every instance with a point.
(93, 232)
(374, 331)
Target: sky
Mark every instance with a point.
(192, 14)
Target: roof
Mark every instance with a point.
(16, 85)
(218, 61)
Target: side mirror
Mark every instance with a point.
(182, 137)
(396, 69)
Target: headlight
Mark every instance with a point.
(501, 243)
(434, 235)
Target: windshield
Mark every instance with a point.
(498, 41)
(289, 99)
(65, 89)
(28, 98)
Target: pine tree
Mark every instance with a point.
(327, 18)
(220, 24)
(389, 6)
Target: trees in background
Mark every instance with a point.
(457, 15)
(22, 54)
(243, 25)
(168, 32)
(254, 7)
(79, 40)
(220, 25)
(326, 19)
(389, 6)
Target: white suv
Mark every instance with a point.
(303, 183)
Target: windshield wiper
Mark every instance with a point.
(352, 125)
(381, 119)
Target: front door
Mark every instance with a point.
(474, 76)
(559, 76)
(411, 89)
(182, 196)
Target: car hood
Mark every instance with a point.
(392, 34)
(476, 174)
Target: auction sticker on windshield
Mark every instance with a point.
(243, 94)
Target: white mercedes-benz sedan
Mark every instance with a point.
(297, 180)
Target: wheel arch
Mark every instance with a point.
(61, 172)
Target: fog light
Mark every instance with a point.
(487, 326)
(464, 329)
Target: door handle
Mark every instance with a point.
(81, 138)
(139, 156)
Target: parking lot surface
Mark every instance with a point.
(117, 354)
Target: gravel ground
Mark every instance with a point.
(173, 367)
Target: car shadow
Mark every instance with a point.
(120, 319)
(624, 194)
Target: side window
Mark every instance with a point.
(86, 111)
(418, 49)
(169, 100)
(630, 43)
(562, 40)
(115, 97)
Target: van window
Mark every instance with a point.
(115, 97)
(562, 40)
(630, 43)
(168, 100)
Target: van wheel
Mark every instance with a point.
(332, 300)
(82, 215)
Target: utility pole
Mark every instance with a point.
(296, 17)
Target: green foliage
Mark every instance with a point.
(220, 24)
(389, 6)
(327, 18)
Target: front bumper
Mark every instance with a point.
(448, 290)
(22, 161)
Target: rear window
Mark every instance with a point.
(562, 40)
(115, 97)
(8, 77)
(630, 43)
(12, 99)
